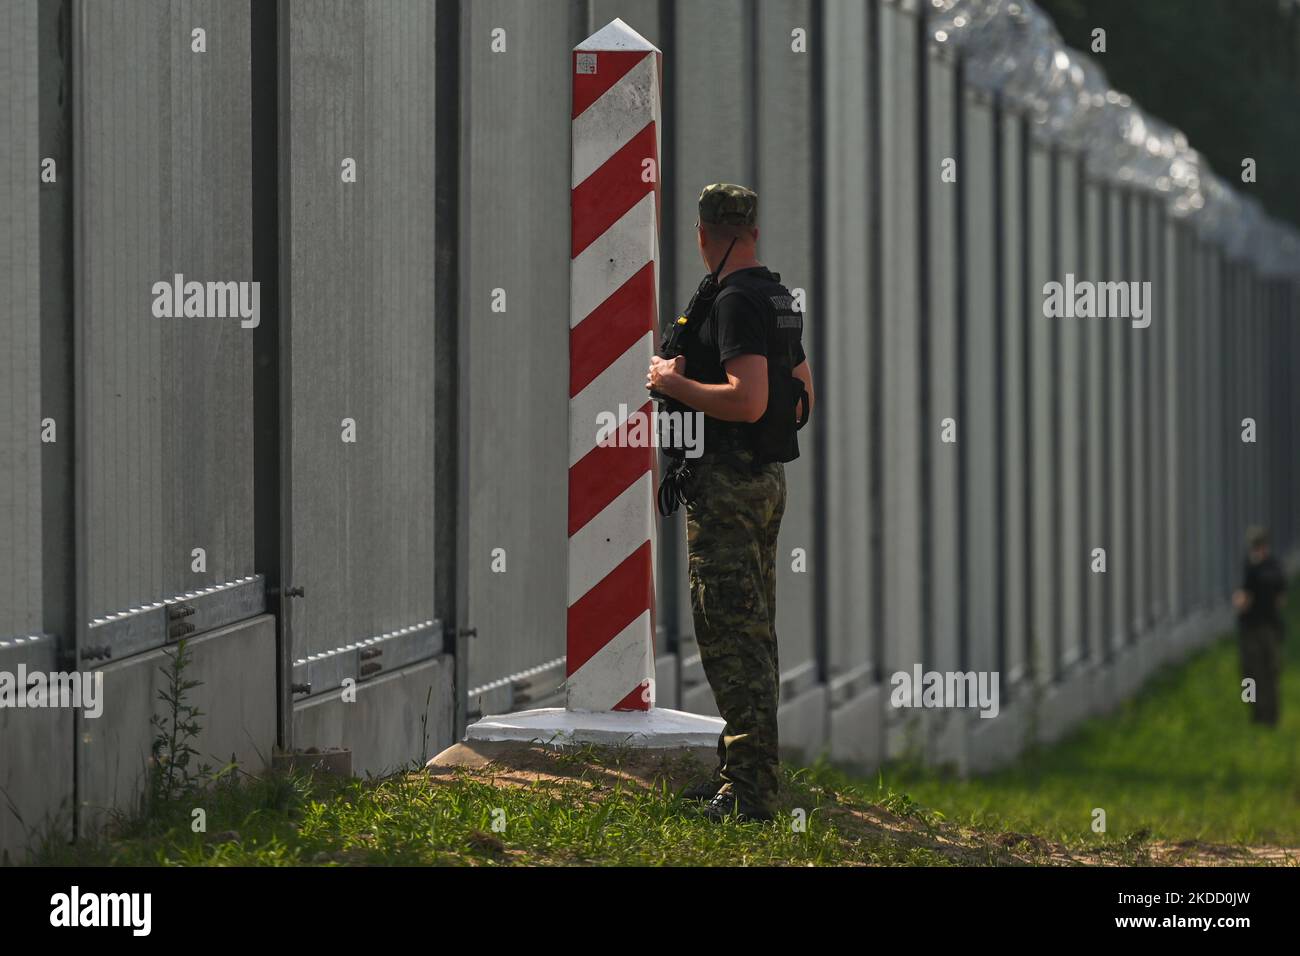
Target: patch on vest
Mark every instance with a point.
(789, 321)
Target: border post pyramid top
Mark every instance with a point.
(617, 35)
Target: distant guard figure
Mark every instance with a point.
(1261, 632)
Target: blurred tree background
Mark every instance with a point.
(1225, 72)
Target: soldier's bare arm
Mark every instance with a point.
(742, 398)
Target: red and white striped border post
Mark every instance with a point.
(614, 282)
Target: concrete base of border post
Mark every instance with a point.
(637, 728)
(496, 738)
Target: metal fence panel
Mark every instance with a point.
(164, 191)
(1014, 444)
(1234, 329)
(1137, 414)
(641, 15)
(1181, 398)
(1248, 406)
(1071, 556)
(1207, 418)
(1219, 418)
(1119, 564)
(900, 344)
(1258, 378)
(36, 751)
(1260, 383)
(36, 774)
(1274, 342)
(361, 296)
(1241, 333)
(1156, 337)
(1203, 530)
(235, 668)
(1192, 280)
(843, 388)
(1043, 332)
(1176, 473)
(1222, 318)
(783, 138)
(942, 377)
(516, 187)
(1229, 323)
(983, 558)
(20, 330)
(1097, 440)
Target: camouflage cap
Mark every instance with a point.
(728, 204)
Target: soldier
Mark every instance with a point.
(1258, 602)
(745, 369)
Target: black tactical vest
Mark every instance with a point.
(774, 437)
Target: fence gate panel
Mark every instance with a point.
(32, 471)
(1070, 554)
(164, 325)
(983, 370)
(942, 376)
(515, 299)
(360, 287)
(845, 316)
(899, 276)
(1096, 439)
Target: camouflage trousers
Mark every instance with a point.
(1260, 647)
(732, 518)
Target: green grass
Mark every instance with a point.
(1181, 761)
(408, 819)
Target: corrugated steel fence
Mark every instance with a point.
(375, 474)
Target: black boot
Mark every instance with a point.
(726, 805)
(702, 792)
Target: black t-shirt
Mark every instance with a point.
(1264, 582)
(738, 325)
